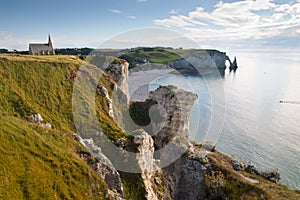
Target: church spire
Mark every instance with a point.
(49, 40)
(50, 45)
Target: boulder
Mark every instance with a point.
(38, 119)
(238, 165)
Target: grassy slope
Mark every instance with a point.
(38, 86)
(238, 188)
(41, 164)
(44, 84)
(31, 84)
(159, 55)
(153, 55)
(38, 163)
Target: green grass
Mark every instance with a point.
(48, 58)
(238, 188)
(133, 186)
(153, 55)
(35, 86)
(30, 87)
(38, 163)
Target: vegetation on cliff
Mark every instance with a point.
(38, 163)
(41, 163)
(153, 55)
(245, 185)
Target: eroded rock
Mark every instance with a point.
(176, 104)
(104, 92)
(145, 160)
(38, 119)
(103, 166)
(119, 73)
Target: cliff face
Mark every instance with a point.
(145, 161)
(103, 166)
(171, 114)
(198, 172)
(199, 59)
(183, 177)
(119, 73)
(102, 90)
(194, 173)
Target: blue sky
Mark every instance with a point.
(250, 24)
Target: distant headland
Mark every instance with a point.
(183, 60)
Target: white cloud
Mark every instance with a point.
(10, 41)
(115, 11)
(140, 1)
(179, 21)
(174, 21)
(131, 17)
(239, 20)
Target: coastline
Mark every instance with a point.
(138, 82)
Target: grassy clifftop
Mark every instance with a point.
(41, 164)
(37, 163)
(31, 85)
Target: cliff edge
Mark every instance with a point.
(52, 162)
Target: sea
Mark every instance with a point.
(252, 113)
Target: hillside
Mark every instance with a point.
(153, 55)
(175, 58)
(38, 163)
(42, 163)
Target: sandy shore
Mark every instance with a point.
(138, 82)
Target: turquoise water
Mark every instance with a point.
(242, 112)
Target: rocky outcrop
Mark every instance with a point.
(268, 174)
(185, 177)
(118, 71)
(145, 161)
(103, 166)
(191, 182)
(102, 90)
(199, 59)
(110, 175)
(171, 115)
(189, 176)
(233, 65)
(37, 119)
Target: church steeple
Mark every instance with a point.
(49, 41)
(51, 45)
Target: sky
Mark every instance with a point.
(227, 24)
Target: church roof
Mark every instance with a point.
(39, 47)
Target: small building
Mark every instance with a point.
(42, 49)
